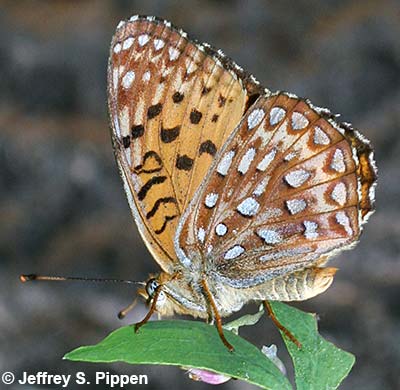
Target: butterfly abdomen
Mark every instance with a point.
(297, 286)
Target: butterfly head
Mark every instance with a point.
(151, 287)
(150, 290)
(155, 289)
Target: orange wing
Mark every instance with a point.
(297, 188)
(172, 105)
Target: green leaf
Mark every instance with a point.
(185, 343)
(246, 320)
(318, 364)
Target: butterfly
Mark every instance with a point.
(240, 194)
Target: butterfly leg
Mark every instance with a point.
(285, 331)
(218, 321)
(152, 308)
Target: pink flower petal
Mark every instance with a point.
(209, 377)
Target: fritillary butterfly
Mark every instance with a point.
(239, 193)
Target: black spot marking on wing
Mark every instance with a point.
(126, 141)
(170, 135)
(177, 97)
(148, 155)
(221, 100)
(158, 203)
(184, 163)
(164, 225)
(153, 111)
(208, 147)
(195, 116)
(137, 131)
(150, 183)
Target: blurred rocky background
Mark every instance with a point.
(62, 206)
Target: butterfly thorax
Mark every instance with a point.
(181, 294)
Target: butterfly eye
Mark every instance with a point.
(151, 286)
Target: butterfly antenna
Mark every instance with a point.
(34, 277)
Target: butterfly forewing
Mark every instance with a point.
(172, 103)
(290, 187)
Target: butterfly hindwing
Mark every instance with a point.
(290, 186)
